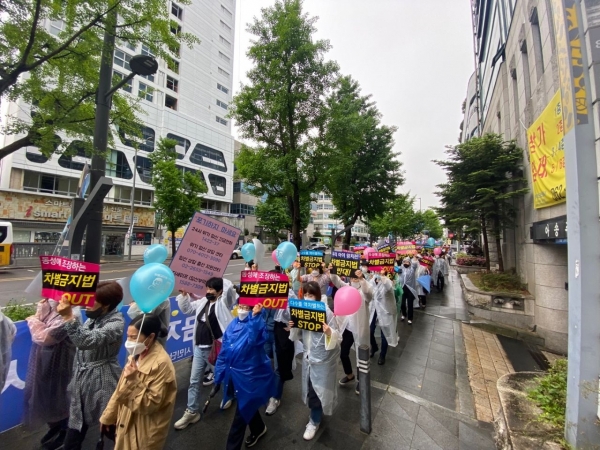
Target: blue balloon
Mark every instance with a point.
(150, 285)
(156, 253)
(431, 242)
(286, 254)
(248, 251)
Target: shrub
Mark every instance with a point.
(16, 311)
(501, 281)
(470, 261)
(550, 395)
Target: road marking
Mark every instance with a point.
(16, 279)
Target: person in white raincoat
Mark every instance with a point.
(319, 365)
(408, 281)
(213, 315)
(440, 271)
(421, 291)
(356, 326)
(383, 311)
(8, 332)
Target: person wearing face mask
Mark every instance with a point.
(356, 330)
(440, 270)
(162, 311)
(213, 315)
(295, 277)
(49, 373)
(319, 275)
(421, 291)
(244, 367)
(141, 407)
(97, 370)
(408, 281)
(319, 365)
(383, 312)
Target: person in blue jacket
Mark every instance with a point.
(244, 367)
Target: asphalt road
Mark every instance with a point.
(13, 282)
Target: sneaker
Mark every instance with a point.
(208, 379)
(402, 318)
(188, 418)
(381, 360)
(272, 407)
(227, 405)
(357, 389)
(311, 430)
(410, 322)
(252, 440)
(346, 380)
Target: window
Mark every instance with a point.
(122, 194)
(241, 208)
(184, 169)
(237, 186)
(225, 26)
(222, 88)
(147, 142)
(222, 104)
(117, 165)
(176, 30)
(78, 159)
(33, 154)
(208, 157)
(144, 168)
(172, 83)
(537, 43)
(122, 59)
(182, 146)
(224, 57)
(218, 184)
(226, 12)
(145, 92)
(148, 77)
(171, 102)
(173, 65)
(177, 10)
(225, 42)
(127, 44)
(56, 27)
(526, 72)
(128, 87)
(51, 184)
(221, 120)
(224, 73)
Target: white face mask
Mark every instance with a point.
(306, 297)
(135, 348)
(355, 284)
(242, 314)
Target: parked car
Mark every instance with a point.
(236, 253)
(317, 246)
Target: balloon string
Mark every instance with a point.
(140, 330)
(322, 334)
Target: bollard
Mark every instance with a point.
(364, 378)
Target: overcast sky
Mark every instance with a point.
(414, 57)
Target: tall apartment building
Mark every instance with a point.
(187, 102)
(321, 212)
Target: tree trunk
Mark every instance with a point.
(173, 241)
(294, 202)
(486, 247)
(498, 245)
(347, 239)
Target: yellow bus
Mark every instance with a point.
(7, 249)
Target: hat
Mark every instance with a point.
(406, 260)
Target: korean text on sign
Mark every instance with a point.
(66, 278)
(406, 248)
(308, 314)
(547, 155)
(379, 261)
(268, 288)
(204, 253)
(345, 263)
(311, 258)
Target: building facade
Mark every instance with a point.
(186, 101)
(322, 221)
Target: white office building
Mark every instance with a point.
(322, 221)
(186, 102)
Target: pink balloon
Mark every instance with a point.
(437, 251)
(274, 257)
(366, 252)
(347, 301)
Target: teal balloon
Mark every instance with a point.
(286, 254)
(150, 285)
(156, 253)
(248, 251)
(431, 242)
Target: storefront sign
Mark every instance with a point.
(308, 314)
(345, 263)
(311, 258)
(66, 278)
(268, 288)
(551, 229)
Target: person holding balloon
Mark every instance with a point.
(319, 365)
(383, 312)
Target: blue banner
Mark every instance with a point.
(179, 346)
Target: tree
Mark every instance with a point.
(177, 194)
(429, 220)
(282, 108)
(57, 71)
(364, 172)
(399, 218)
(484, 176)
(274, 215)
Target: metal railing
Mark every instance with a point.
(32, 250)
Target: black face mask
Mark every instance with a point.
(211, 297)
(406, 265)
(94, 314)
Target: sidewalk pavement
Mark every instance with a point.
(421, 398)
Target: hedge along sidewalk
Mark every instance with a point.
(487, 362)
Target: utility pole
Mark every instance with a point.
(132, 200)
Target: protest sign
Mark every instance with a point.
(269, 288)
(359, 249)
(378, 261)
(308, 314)
(406, 248)
(66, 278)
(311, 258)
(204, 253)
(345, 263)
(386, 247)
(426, 261)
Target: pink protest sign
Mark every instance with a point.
(378, 261)
(269, 288)
(204, 253)
(66, 278)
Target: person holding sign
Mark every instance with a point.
(97, 369)
(408, 281)
(383, 312)
(213, 316)
(244, 366)
(319, 365)
(357, 325)
(440, 271)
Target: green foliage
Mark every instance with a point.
(364, 173)
(16, 311)
(399, 218)
(551, 395)
(246, 232)
(494, 281)
(429, 220)
(58, 72)
(177, 195)
(317, 233)
(274, 215)
(282, 108)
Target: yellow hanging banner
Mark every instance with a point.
(547, 155)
